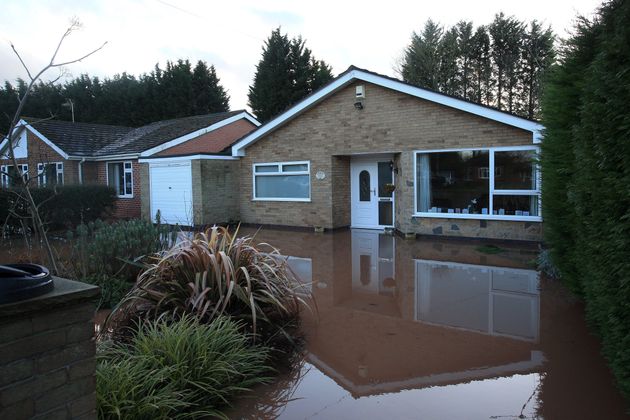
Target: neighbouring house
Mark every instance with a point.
(62, 152)
(370, 151)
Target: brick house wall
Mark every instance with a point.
(212, 142)
(124, 208)
(391, 122)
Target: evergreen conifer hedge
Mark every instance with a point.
(586, 175)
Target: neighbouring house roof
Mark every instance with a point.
(77, 139)
(99, 140)
(354, 73)
(148, 137)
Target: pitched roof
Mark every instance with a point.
(355, 73)
(78, 139)
(99, 140)
(157, 133)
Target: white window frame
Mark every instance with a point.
(491, 189)
(4, 173)
(125, 171)
(281, 172)
(41, 173)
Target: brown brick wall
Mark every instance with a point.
(40, 152)
(213, 142)
(391, 122)
(125, 208)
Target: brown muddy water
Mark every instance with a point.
(430, 329)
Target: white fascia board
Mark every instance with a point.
(23, 124)
(169, 159)
(126, 156)
(482, 111)
(194, 134)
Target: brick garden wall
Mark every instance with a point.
(391, 122)
(47, 351)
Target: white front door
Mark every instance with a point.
(370, 193)
(364, 195)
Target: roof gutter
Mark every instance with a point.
(106, 157)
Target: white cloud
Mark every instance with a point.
(230, 35)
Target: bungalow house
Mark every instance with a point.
(62, 152)
(364, 151)
(370, 151)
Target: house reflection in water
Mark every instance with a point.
(386, 333)
(424, 329)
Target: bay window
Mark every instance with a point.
(120, 177)
(492, 183)
(282, 181)
(50, 173)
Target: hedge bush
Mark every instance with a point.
(586, 175)
(111, 255)
(62, 206)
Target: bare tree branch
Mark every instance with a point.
(22, 62)
(81, 58)
(38, 223)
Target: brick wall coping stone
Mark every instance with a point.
(66, 292)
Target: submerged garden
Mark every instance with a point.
(196, 318)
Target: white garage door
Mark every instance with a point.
(171, 192)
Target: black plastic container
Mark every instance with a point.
(23, 281)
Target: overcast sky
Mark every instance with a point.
(230, 34)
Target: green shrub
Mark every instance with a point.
(182, 369)
(112, 289)
(216, 273)
(62, 206)
(586, 176)
(114, 250)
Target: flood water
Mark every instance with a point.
(428, 329)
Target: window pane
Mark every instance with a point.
(453, 182)
(515, 205)
(267, 168)
(364, 186)
(288, 186)
(128, 184)
(299, 167)
(51, 174)
(114, 175)
(515, 170)
(385, 213)
(384, 178)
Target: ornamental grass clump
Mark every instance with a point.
(177, 369)
(216, 273)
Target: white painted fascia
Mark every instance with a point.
(482, 111)
(194, 134)
(170, 159)
(120, 157)
(26, 125)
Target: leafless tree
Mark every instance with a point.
(33, 207)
